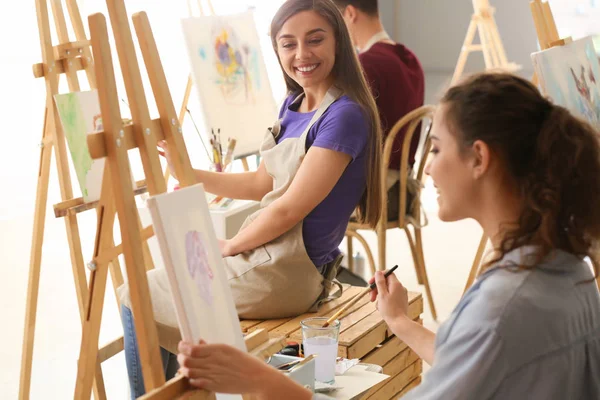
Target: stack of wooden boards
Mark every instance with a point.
(363, 335)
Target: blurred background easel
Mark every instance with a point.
(490, 45)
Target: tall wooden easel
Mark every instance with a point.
(547, 34)
(113, 143)
(490, 42)
(66, 58)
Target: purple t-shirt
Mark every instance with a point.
(344, 128)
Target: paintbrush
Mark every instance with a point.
(356, 299)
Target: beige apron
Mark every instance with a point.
(277, 279)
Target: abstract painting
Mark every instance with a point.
(79, 114)
(192, 258)
(231, 78)
(570, 76)
(198, 266)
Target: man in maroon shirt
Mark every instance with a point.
(395, 76)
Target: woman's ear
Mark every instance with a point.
(481, 154)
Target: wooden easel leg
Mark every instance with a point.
(495, 35)
(485, 45)
(88, 359)
(381, 245)
(476, 262)
(492, 46)
(464, 53)
(421, 257)
(120, 175)
(35, 261)
(424, 277)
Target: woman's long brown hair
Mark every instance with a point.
(349, 77)
(553, 156)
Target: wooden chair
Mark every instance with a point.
(411, 121)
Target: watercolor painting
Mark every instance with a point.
(231, 78)
(198, 266)
(570, 76)
(79, 114)
(195, 269)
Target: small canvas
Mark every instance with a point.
(570, 76)
(79, 114)
(231, 78)
(195, 268)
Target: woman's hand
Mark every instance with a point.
(225, 369)
(222, 368)
(165, 153)
(391, 297)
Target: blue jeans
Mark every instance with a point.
(132, 357)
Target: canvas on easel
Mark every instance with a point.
(231, 78)
(80, 115)
(570, 75)
(194, 265)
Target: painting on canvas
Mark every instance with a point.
(231, 78)
(193, 262)
(79, 114)
(570, 76)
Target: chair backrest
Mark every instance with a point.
(410, 122)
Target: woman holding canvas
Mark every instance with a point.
(529, 328)
(320, 162)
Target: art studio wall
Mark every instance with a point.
(435, 31)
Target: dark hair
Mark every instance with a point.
(348, 76)
(553, 157)
(369, 7)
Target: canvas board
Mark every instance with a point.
(570, 76)
(231, 78)
(79, 114)
(190, 251)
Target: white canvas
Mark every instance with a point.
(570, 76)
(231, 78)
(79, 114)
(192, 258)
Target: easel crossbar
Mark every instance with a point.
(76, 206)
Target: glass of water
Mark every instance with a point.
(323, 343)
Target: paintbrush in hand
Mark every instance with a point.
(356, 299)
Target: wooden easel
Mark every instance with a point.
(490, 41)
(547, 34)
(113, 143)
(66, 58)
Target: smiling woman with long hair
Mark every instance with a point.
(320, 162)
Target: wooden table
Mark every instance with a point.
(363, 335)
